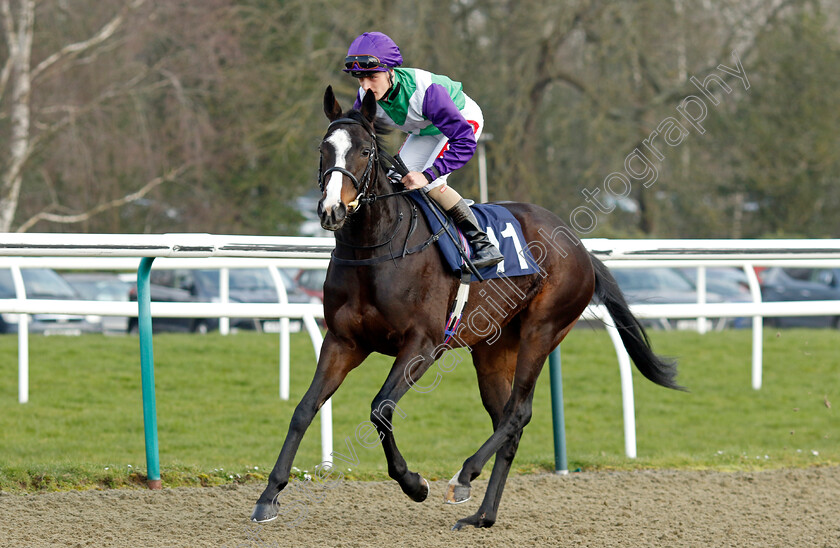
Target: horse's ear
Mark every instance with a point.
(331, 106)
(369, 106)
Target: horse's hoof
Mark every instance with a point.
(264, 512)
(416, 491)
(455, 492)
(459, 525)
(424, 493)
(473, 521)
(415, 486)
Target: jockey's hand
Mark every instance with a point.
(414, 180)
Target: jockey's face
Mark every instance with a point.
(377, 82)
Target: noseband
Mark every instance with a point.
(360, 186)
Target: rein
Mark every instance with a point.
(363, 198)
(390, 255)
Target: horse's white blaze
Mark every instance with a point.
(340, 140)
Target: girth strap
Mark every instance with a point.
(458, 307)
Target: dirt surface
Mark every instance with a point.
(648, 508)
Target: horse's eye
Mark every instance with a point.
(365, 152)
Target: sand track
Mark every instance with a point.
(649, 508)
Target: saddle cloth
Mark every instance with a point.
(503, 230)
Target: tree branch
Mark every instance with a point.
(73, 49)
(118, 202)
(8, 25)
(74, 112)
(678, 92)
(11, 44)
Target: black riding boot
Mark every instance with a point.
(486, 253)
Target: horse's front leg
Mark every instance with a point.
(409, 366)
(337, 359)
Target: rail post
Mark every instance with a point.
(561, 465)
(147, 373)
(23, 339)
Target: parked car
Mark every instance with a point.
(247, 285)
(297, 294)
(165, 294)
(311, 282)
(827, 276)
(94, 286)
(728, 282)
(801, 284)
(44, 283)
(671, 286)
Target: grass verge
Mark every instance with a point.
(220, 419)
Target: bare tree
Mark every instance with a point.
(18, 31)
(204, 115)
(24, 142)
(101, 104)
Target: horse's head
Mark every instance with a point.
(349, 159)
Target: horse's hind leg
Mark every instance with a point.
(494, 368)
(489, 509)
(336, 360)
(534, 350)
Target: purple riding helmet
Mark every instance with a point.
(372, 52)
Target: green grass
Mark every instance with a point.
(219, 414)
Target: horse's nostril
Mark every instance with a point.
(336, 215)
(333, 218)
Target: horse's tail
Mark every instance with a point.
(659, 370)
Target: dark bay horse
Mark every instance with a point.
(388, 291)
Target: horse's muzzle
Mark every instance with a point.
(334, 219)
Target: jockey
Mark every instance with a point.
(443, 124)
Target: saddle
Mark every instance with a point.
(502, 228)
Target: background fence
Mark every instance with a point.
(122, 252)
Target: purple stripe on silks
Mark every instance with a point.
(441, 111)
(465, 244)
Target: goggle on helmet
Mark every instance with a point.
(372, 52)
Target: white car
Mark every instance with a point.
(44, 283)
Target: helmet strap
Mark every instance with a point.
(390, 84)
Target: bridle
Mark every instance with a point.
(362, 197)
(360, 186)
